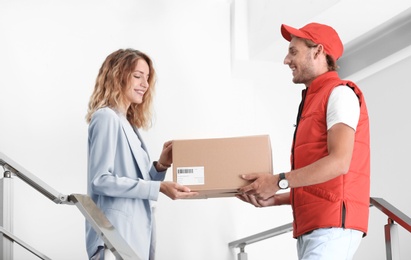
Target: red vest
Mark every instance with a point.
(324, 205)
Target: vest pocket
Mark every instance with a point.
(317, 193)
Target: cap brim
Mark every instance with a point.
(287, 31)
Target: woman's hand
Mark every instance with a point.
(166, 157)
(175, 191)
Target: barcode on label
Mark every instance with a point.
(190, 175)
(185, 171)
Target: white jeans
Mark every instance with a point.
(329, 244)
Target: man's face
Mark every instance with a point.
(300, 61)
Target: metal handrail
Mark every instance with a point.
(32, 180)
(13, 238)
(394, 215)
(241, 243)
(112, 239)
(392, 212)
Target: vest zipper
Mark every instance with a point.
(300, 110)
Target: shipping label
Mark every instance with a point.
(190, 175)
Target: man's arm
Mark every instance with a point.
(340, 149)
(340, 142)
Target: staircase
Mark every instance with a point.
(87, 207)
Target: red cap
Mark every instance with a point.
(318, 33)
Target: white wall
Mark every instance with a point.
(387, 91)
(50, 54)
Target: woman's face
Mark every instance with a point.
(138, 84)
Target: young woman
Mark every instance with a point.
(121, 179)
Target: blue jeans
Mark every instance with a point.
(329, 244)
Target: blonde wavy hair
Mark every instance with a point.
(112, 82)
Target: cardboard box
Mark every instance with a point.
(213, 167)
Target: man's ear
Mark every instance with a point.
(319, 50)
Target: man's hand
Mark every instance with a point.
(257, 202)
(264, 185)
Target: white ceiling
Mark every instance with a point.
(256, 23)
(266, 16)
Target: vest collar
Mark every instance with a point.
(321, 81)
